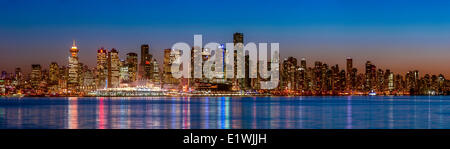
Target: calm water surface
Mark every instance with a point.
(408, 112)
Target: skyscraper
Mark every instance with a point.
(132, 62)
(156, 76)
(53, 73)
(36, 75)
(102, 67)
(18, 73)
(73, 68)
(124, 74)
(349, 72)
(113, 68)
(390, 81)
(238, 38)
(81, 69)
(89, 83)
(303, 63)
(289, 73)
(18, 78)
(169, 58)
(63, 78)
(349, 65)
(302, 75)
(145, 69)
(371, 71)
(144, 53)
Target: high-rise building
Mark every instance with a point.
(18, 78)
(89, 83)
(238, 83)
(303, 63)
(113, 69)
(73, 67)
(156, 75)
(132, 63)
(416, 80)
(369, 75)
(353, 79)
(238, 38)
(169, 58)
(81, 70)
(349, 65)
(102, 67)
(289, 73)
(144, 53)
(349, 70)
(53, 74)
(145, 69)
(317, 76)
(63, 78)
(379, 80)
(36, 75)
(391, 81)
(246, 83)
(124, 74)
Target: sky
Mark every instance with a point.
(400, 35)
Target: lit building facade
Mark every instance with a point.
(73, 81)
(36, 75)
(169, 58)
(132, 64)
(53, 74)
(113, 69)
(145, 68)
(102, 67)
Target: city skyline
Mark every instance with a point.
(146, 77)
(390, 34)
(360, 63)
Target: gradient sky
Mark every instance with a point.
(400, 35)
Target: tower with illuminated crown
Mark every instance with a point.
(73, 68)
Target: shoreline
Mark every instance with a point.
(227, 96)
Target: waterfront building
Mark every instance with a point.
(89, 83)
(73, 81)
(132, 64)
(349, 70)
(390, 81)
(380, 80)
(53, 73)
(113, 69)
(156, 72)
(303, 63)
(289, 73)
(36, 75)
(145, 69)
(124, 74)
(63, 79)
(169, 58)
(102, 67)
(81, 70)
(238, 40)
(370, 76)
(18, 78)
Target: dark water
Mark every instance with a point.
(421, 112)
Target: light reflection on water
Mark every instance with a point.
(383, 112)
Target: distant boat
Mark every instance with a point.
(372, 93)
